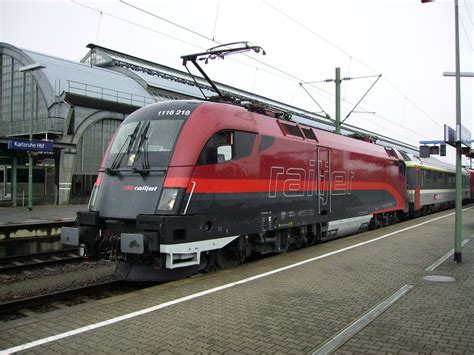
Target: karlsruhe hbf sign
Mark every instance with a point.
(23, 144)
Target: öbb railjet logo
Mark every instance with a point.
(144, 188)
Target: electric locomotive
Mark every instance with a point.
(186, 186)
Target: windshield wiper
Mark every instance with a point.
(143, 147)
(118, 158)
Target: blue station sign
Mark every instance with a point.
(23, 144)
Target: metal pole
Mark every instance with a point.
(25, 69)
(30, 157)
(14, 179)
(338, 100)
(458, 219)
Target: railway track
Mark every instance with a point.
(16, 263)
(60, 299)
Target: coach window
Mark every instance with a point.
(227, 145)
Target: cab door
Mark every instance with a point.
(324, 181)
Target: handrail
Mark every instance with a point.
(90, 90)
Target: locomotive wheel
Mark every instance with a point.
(227, 258)
(208, 261)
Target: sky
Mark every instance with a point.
(409, 43)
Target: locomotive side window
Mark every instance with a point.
(243, 144)
(227, 145)
(265, 142)
(401, 168)
(225, 141)
(391, 152)
(410, 178)
(291, 129)
(308, 133)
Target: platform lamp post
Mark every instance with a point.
(458, 219)
(457, 74)
(25, 69)
(458, 214)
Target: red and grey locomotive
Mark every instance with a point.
(190, 185)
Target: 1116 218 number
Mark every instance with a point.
(173, 113)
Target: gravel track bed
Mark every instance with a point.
(52, 279)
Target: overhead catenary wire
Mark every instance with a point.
(468, 11)
(318, 35)
(75, 2)
(468, 38)
(285, 75)
(215, 22)
(298, 79)
(357, 104)
(314, 100)
(98, 27)
(167, 21)
(210, 39)
(256, 59)
(345, 78)
(354, 58)
(378, 116)
(400, 125)
(254, 79)
(404, 109)
(348, 73)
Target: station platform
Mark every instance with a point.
(368, 293)
(39, 214)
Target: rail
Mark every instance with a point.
(35, 301)
(16, 263)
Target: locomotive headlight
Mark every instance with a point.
(168, 199)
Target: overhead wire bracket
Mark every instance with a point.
(316, 102)
(358, 102)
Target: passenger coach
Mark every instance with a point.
(431, 185)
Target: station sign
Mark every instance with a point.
(36, 146)
(463, 135)
(424, 151)
(450, 136)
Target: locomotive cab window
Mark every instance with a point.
(227, 145)
(145, 142)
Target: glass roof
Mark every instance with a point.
(80, 78)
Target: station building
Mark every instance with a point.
(77, 106)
